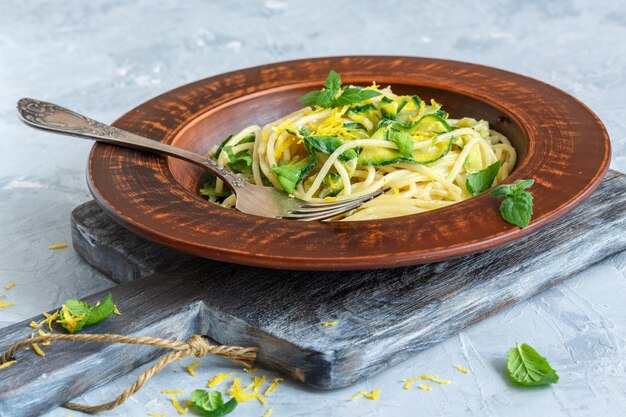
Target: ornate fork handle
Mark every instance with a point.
(48, 116)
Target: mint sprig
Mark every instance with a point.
(527, 367)
(211, 403)
(332, 96)
(481, 181)
(517, 206)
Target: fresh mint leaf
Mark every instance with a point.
(327, 98)
(510, 189)
(76, 314)
(328, 145)
(333, 81)
(310, 99)
(481, 181)
(517, 206)
(211, 403)
(353, 95)
(403, 141)
(78, 307)
(527, 367)
(517, 209)
(101, 311)
(242, 162)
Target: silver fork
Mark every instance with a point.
(251, 199)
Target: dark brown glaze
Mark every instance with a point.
(561, 144)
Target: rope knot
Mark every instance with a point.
(199, 347)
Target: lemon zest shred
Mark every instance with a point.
(250, 371)
(9, 285)
(177, 406)
(58, 246)
(213, 382)
(192, 368)
(396, 192)
(5, 304)
(463, 370)
(69, 321)
(257, 382)
(173, 391)
(273, 386)
(433, 378)
(157, 414)
(188, 403)
(42, 333)
(409, 381)
(329, 323)
(34, 324)
(116, 311)
(426, 387)
(49, 318)
(372, 395)
(38, 350)
(357, 395)
(330, 198)
(268, 413)
(7, 364)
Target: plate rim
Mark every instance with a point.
(368, 261)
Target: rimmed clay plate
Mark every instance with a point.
(560, 143)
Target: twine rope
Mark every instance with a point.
(196, 347)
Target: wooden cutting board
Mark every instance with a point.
(383, 316)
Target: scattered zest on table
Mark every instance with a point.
(175, 403)
(157, 414)
(213, 382)
(517, 206)
(76, 314)
(9, 285)
(462, 370)
(192, 368)
(424, 387)
(268, 413)
(211, 403)
(527, 367)
(58, 246)
(329, 323)
(250, 371)
(369, 395)
(272, 386)
(4, 304)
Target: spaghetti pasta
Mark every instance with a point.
(388, 140)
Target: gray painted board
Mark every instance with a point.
(383, 316)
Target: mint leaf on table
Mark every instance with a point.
(403, 141)
(517, 206)
(329, 97)
(527, 367)
(76, 314)
(211, 403)
(101, 311)
(481, 181)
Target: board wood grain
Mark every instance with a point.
(384, 316)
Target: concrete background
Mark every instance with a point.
(105, 57)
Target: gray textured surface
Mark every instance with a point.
(103, 58)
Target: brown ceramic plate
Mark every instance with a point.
(560, 143)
